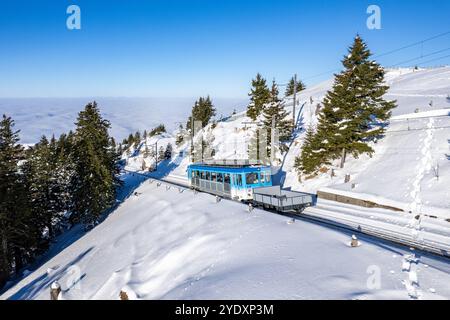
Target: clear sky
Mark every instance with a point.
(187, 48)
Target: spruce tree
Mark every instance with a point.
(203, 110)
(290, 87)
(94, 181)
(168, 152)
(259, 96)
(180, 136)
(18, 236)
(312, 154)
(275, 110)
(257, 146)
(354, 111)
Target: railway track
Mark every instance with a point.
(435, 244)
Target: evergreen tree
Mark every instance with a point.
(208, 144)
(94, 181)
(180, 136)
(168, 152)
(203, 110)
(312, 154)
(275, 110)
(259, 96)
(290, 87)
(157, 130)
(40, 167)
(146, 153)
(353, 109)
(17, 234)
(137, 138)
(257, 147)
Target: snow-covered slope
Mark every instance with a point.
(403, 171)
(167, 244)
(410, 169)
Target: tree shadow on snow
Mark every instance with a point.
(43, 282)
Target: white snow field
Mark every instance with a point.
(166, 244)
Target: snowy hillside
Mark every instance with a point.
(402, 172)
(410, 169)
(170, 243)
(166, 244)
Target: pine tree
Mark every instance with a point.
(137, 138)
(290, 87)
(259, 96)
(203, 111)
(275, 110)
(208, 144)
(168, 152)
(353, 109)
(312, 154)
(40, 183)
(257, 147)
(157, 130)
(180, 136)
(94, 182)
(17, 234)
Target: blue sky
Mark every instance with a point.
(187, 48)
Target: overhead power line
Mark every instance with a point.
(421, 42)
(421, 57)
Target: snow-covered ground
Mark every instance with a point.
(166, 244)
(410, 169)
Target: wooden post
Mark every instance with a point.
(123, 295)
(354, 242)
(295, 102)
(344, 153)
(55, 290)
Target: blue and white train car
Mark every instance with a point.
(234, 179)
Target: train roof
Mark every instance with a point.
(230, 163)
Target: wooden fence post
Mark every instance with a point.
(55, 290)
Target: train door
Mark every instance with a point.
(227, 183)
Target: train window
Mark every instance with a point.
(238, 179)
(208, 175)
(213, 176)
(267, 177)
(220, 177)
(227, 178)
(251, 178)
(202, 175)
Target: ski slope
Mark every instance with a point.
(166, 243)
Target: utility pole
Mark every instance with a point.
(272, 142)
(295, 102)
(192, 138)
(156, 155)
